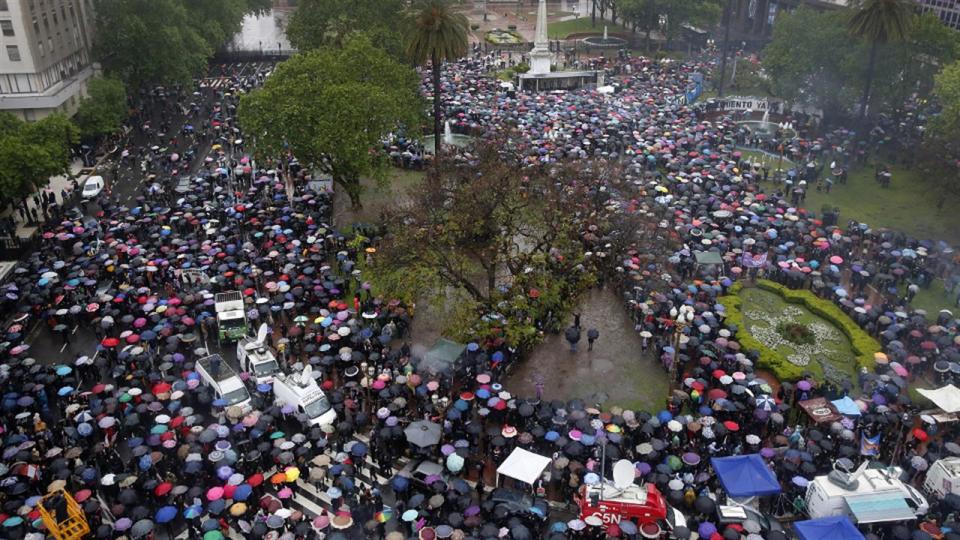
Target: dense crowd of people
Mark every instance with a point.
(129, 430)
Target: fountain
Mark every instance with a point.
(606, 42)
(765, 129)
(449, 138)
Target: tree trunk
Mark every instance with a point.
(726, 44)
(593, 15)
(437, 129)
(866, 87)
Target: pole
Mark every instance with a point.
(676, 359)
(726, 43)
(603, 465)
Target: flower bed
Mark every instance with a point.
(503, 37)
(767, 339)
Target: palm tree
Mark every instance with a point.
(435, 32)
(879, 22)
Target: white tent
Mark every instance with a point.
(946, 398)
(523, 465)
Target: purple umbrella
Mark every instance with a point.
(706, 529)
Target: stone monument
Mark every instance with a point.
(540, 55)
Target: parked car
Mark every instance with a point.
(184, 185)
(92, 187)
(417, 471)
(520, 504)
(733, 513)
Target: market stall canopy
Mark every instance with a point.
(820, 410)
(846, 406)
(523, 465)
(745, 476)
(828, 528)
(443, 356)
(947, 397)
(707, 257)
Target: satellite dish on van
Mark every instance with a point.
(623, 474)
(305, 378)
(262, 333)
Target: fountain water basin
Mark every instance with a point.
(449, 138)
(605, 42)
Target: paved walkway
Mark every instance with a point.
(615, 368)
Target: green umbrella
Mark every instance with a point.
(674, 463)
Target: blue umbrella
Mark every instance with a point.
(166, 514)
(242, 492)
(334, 492)
(399, 483)
(85, 429)
(358, 449)
(64, 391)
(664, 416)
(145, 462)
(64, 370)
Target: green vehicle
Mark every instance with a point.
(231, 317)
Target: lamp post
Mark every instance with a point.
(681, 318)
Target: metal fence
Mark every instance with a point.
(264, 55)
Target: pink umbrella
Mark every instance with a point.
(140, 322)
(899, 369)
(836, 259)
(215, 493)
(285, 493)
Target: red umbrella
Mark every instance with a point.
(716, 393)
(928, 345)
(162, 489)
(110, 342)
(920, 435)
(731, 425)
(161, 388)
(717, 373)
(133, 338)
(255, 480)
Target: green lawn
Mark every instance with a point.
(909, 204)
(934, 299)
(562, 29)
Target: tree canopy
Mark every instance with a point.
(164, 41)
(332, 108)
(815, 60)
(503, 236)
(322, 23)
(104, 110)
(30, 153)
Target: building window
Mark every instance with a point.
(7, 28)
(13, 53)
(4, 6)
(40, 47)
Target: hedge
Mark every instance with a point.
(864, 346)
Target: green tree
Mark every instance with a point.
(31, 153)
(436, 33)
(813, 60)
(104, 110)
(322, 23)
(165, 41)
(909, 66)
(332, 108)
(878, 22)
(940, 151)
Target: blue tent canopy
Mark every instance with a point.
(745, 476)
(846, 406)
(828, 528)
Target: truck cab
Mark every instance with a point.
(216, 374)
(300, 390)
(231, 317)
(256, 357)
(622, 499)
(943, 477)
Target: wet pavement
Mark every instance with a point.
(615, 368)
(263, 33)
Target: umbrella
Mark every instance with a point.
(423, 433)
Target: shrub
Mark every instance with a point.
(863, 345)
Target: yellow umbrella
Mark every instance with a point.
(238, 509)
(292, 473)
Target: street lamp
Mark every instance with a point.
(681, 318)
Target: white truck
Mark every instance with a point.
(300, 391)
(256, 357)
(866, 495)
(231, 317)
(217, 375)
(943, 477)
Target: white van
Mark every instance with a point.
(943, 477)
(865, 495)
(216, 374)
(256, 358)
(300, 390)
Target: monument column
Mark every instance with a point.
(540, 55)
